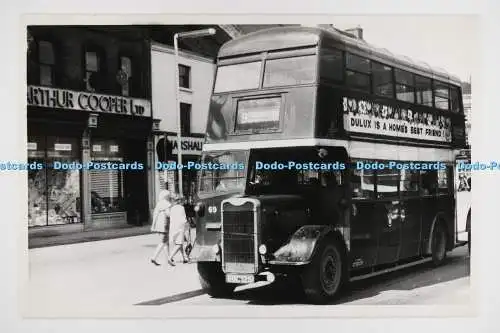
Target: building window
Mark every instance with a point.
(92, 68)
(423, 87)
(405, 86)
(441, 96)
(107, 186)
(358, 72)
(184, 76)
(53, 194)
(185, 119)
(46, 62)
(382, 80)
(126, 75)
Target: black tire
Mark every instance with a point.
(212, 280)
(468, 241)
(324, 277)
(438, 245)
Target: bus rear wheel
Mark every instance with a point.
(468, 241)
(438, 245)
(323, 278)
(468, 232)
(212, 280)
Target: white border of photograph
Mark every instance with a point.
(485, 123)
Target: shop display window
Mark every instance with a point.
(53, 194)
(107, 186)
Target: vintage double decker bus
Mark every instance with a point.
(328, 159)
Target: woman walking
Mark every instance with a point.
(160, 224)
(178, 222)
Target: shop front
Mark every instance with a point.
(166, 152)
(71, 133)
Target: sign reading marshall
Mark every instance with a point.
(189, 145)
(87, 101)
(374, 118)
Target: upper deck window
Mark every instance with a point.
(405, 86)
(423, 88)
(332, 64)
(290, 71)
(382, 80)
(455, 99)
(238, 77)
(441, 95)
(358, 72)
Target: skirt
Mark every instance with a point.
(178, 237)
(163, 237)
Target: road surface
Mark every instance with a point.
(117, 273)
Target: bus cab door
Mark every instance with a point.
(389, 203)
(390, 232)
(410, 214)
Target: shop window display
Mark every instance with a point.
(53, 195)
(107, 187)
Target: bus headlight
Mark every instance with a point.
(199, 209)
(262, 249)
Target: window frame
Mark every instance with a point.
(274, 58)
(185, 118)
(328, 51)
(41, 64)
(100, 54)
(359, 72)
(458, 91)
(404, 84)
(392, 80)
(416, 78)
(129, 78)
(186, 75)
(435, 85)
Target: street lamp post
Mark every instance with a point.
(177, 36)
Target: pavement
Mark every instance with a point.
(48, 237)
(100, 278)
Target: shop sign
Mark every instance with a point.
(32, 146)
(96, 148)
(363, 116)
(87, 101)
(189, 145)
(62, 146)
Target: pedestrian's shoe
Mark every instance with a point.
(185, 261)
(171, 262)
(154, 262)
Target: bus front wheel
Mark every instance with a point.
(212, 280)
(324, 276)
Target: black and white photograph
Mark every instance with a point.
(276, 167)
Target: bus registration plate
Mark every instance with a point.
(239, 278)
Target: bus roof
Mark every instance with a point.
(299, 36)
